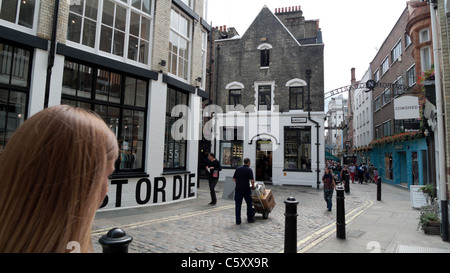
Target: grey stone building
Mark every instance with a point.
(262, 82)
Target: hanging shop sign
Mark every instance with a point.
(406, 107)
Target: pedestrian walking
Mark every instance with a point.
(375, 175)
(328, 188)
(213, 167)
(242, 176)
(54, 176)
(352, 170)
(345, 176)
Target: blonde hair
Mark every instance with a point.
(50, 180)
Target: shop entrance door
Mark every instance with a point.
(264, 160)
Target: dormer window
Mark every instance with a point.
(265, 55)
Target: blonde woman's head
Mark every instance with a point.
(53, 177)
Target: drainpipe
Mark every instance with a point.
(51, 54)
(217, 61)
(308, 78)
(441, 128)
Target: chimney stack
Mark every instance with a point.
(353, 80)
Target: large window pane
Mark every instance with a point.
(89, 33)
(6, 57)
(9, 11)
(26, 15)
(175, 149)
(12, 114)
(297, 149)
(74, 28)
(112, 102)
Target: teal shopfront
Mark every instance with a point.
(402, 163)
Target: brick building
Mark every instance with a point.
(129, 61)
(262, 82)
(401, 159)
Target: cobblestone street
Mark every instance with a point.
(195, 226)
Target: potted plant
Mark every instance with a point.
(429, 219)
(428, 190)
(429, 223)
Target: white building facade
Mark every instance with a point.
(363, 114)
(129, 61)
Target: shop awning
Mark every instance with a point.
(329, 156)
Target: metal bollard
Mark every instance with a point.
(347, 185)
(379, 189)
(340, 212)
(290, 229)
(115, 241)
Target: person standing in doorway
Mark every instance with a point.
(213, 167)
(243, 176)
(328, 188)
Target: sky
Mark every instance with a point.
(352, 30)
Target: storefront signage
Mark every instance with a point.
(128, 193)
(406, 107)
(299, 120)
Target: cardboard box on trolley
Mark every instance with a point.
(267, 199)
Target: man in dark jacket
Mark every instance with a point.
(213, 167)
(243, 176)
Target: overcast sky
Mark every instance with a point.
(353, 30)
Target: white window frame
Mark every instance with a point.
(421, 35)
(189, 3)
(96, 49)
(396, 51)
(385, 65)
(204, 57)
(189, 40)
(376, 75)
(424, 56)
(411, 69)
(16, 25)
(272, 91)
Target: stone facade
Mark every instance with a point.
(239, 60)
(263, 66)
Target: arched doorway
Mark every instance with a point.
(264, 154)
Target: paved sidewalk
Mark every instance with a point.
(196, 227)
(387, 226)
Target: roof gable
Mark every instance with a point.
(266, 24)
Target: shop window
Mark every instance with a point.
(15, 63)
(231, 148)
(175, 146)
(297, 149)
(120, 100)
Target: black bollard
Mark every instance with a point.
(340, 212)
(347, 185)
(290, 229)
(379, 189)
(115, 241)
